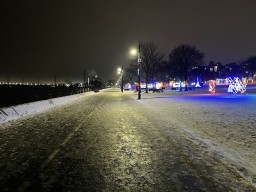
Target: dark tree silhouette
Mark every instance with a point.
(250, 66)
(95, 81)
(162, 72)
(151, 56)
(91, 73)
(131, 73)
(233, 70)
(182, 59)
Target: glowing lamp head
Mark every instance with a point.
(133, 52)
(119, 70)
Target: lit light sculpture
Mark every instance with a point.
(197, 83)
(236, 86)
(212, 86)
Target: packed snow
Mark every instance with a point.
(15, 112)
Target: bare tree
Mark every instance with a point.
(182, 59)
(91, 73)
(162, 72)
(130, 73)
(151, 56)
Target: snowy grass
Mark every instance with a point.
(220, 124)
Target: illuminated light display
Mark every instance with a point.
(143, 86)
(222, 81)
(212, 85)
(197, 83)
(175, 85)
(236, 86)
(127, 86)
(159, 85)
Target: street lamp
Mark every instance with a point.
(120, 71)
(134, 52)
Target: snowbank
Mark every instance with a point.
(14, 112)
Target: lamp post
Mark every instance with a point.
(88, 84)
(122, 81)
(134, 52)
(120, 71)
(139, 73)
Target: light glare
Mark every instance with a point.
(133, 52)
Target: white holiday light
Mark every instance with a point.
(236, 85)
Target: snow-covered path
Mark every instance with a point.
(110, 141)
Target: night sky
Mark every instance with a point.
(43, 38)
